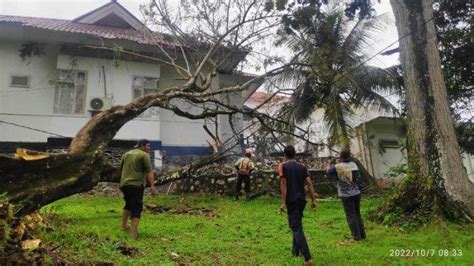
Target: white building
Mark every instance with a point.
(377, 139)
(50, 93)
(378, 143)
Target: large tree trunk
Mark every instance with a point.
(438, 182)
(31, 184)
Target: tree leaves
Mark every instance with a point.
(330, 70)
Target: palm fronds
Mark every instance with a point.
(330, 72)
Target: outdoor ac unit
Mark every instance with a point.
(99, 103)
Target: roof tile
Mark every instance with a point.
(100, 31)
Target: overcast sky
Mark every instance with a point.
(70, 9)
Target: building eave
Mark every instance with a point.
(94, 15)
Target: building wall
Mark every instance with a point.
(181, 135)
(33, 107)
(320, 130)
(468, 160)
(365, 146)
(384, 157)
(178, 133)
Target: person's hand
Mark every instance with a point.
(154, 191)
(314, 205)
(282, 207)
(328, 162)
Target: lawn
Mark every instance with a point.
(86, 229)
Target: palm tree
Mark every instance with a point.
(330, 70)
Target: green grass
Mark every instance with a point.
(87, 230)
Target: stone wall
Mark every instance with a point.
(113, 155)
(261, 182)
(179, 160)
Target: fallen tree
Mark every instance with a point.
(31, 184)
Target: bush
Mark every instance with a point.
(397, 171)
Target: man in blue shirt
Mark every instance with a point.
(348, 175)
(294, 177)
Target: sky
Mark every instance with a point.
(70, 9)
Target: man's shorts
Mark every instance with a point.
(133, 196)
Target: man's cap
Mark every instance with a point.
(142, 142)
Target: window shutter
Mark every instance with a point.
(80, 98)
(137, 82)
(64, 98)
(145, 86)
(57, 101)
(150, 91)
(137, 93)
(70, 92)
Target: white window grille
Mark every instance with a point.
(142, 86)
(70, 92)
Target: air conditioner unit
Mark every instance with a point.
(99, 103)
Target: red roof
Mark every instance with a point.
(107, 32)
(262, 96)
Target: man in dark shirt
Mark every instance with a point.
(295, 176)
(347, 174)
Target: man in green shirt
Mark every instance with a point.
(135, 170)
(244, 166)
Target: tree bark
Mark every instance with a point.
(439, 181)
(32, 184)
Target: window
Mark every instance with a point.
(20, 81)
(70, 92)
(389, 143)
(142, 86)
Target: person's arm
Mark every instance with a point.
(283, 189)
(280, 169)
(237, 164)
(119, 171)
(149, 175)
(331, 170)
(151, 180)
(251, 167)
(312, 193)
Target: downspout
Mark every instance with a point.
(105, 81)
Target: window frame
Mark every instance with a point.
(17, 85)
(388, 143)
(74, 82)
(143, 88)
(145, 115)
